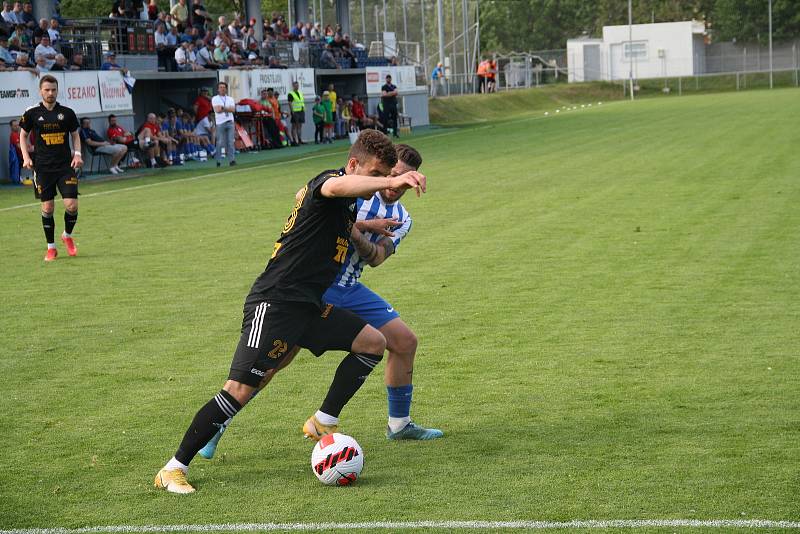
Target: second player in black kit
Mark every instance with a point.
(284, 308)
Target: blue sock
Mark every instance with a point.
(399, 400)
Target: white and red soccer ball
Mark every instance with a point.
(337, 460)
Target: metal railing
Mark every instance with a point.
(93, 37)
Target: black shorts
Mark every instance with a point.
(270, 329)
(298, 117)
(45, 183)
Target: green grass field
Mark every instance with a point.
(606, 301)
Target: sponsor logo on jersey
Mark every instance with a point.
(60, 116)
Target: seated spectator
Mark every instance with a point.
(326, 60)
(306, 34)
(54, 32)
(183, 58)
(42, 65)
(235, 31)
(275, 63)
(152, 140)
(221, 54)
(17, 11)
(77, 62)
(393, 62)
(44, 50)
(8, 14)
(5, 55)
(61, 63)
(205, 132)
(98, 145)
(23, 36)
(111, 64)
(249, 41)
(120, 136)
(166, 43)
(40, 31)
(316, 32)
(205, 56)
(13, 47)
(23, 63)
(235, 58)
(296, 33)
(202, 105)
(359, 114)
(328, 34)
(171, 127)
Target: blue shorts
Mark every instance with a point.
(362, 301)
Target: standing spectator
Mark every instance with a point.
(224, 106)
(54, 32)
(272, 97)
(249, 41)
(199, 16)
(152, 11)
(40, 31)
(8, 14)
(318, 112)
(437, 79)
(269, 122)
(202, 105)
(491, 76)
(165, 51)
(342, 118)
(306, 33)
(100, 146)
(180, 13)
(483, 68)
(332, 96)
(27, 16)
(298, 107)
(389, 101)
(328, 121)
(45, 51)
(77, 62)
(316, 32)
(296, 33)
(17, 12)
(326, 60)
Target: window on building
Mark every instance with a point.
(634, 51)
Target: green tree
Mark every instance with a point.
(748, 21)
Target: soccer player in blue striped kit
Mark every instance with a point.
(381, 224)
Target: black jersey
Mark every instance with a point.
(51, 129)
(312, 246)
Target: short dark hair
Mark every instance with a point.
(408, 155)
(222, 83)
(83, 119)
(374, 144)
(112, 116)
(47, 79)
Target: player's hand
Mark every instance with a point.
(409, 180)
(77, 162)
(379, 226)
(27, 163)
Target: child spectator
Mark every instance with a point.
(318, 112)
(328, 105)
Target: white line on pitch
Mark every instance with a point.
(384, 525)
(221, 173)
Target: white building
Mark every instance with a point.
(658, 50)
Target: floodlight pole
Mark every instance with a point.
(770, 43)
(630, 45)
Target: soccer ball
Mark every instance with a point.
(337, 460)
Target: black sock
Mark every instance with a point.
(350, 375)
(205, 424)
(49, 225)
(69, 221)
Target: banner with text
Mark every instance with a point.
(281, 80)
(19, 91)
(114, 96)
(78, 90)
(238, 83)
(403, 77)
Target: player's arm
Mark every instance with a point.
(77, 158)
(373, 253)
(353, 185)
(27, 162)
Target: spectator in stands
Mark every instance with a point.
(326, 60)
(60, 64)
(389, 101)
(199, 16)
(328, 34)
(98, 145)
(27, 16)
(44, 50)
(111, 64)
(165, 50)
(205, 56)
(316, 32)
(185, 59)
(275, 63)
(236, 60)
(437, 79)
(5, 55)
(296, 33)
(23, 63)
(235, 31)
(249, 41)
(180, 14)
(221, 55)
(8, 14)
(54, 32)
(156, 144)
(120, 136)
(77, 62)
(17, 12)
(40, 31)
(306, 33)
(23, 36)
(152, 11)
(42, 65)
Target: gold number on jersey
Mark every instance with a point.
(275, 250)
(293, 216)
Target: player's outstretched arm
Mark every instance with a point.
(353, 185)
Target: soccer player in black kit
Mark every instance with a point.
(284, 307)
(55, 162)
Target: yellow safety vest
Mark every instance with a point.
(297, 104)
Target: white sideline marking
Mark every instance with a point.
(220, 173)
(480, 525)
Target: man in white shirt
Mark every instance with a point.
(182, 57)
(8, 14)
(205, 56)
(44, 49)
(54, 32)
(224, 106)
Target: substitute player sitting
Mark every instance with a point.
(284, 306)
(371, 243)
(56, 164)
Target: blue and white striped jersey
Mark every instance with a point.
(373, 208)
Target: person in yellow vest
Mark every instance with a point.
(332, 97)
(298, 106)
